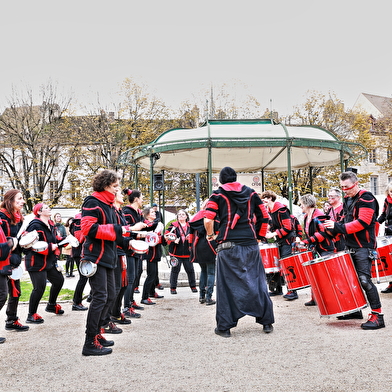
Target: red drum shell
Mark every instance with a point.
(138, 246)
(293, 271)
(335, 285)
(270, 257)
(381, 270)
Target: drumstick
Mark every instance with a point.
(26, 221)
(376, 266)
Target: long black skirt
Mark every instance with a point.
(241, 287)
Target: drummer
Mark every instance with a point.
(41, 263)
(316, 234)
(6, 246)
(282, 231)
(359, 229)
(335, 213)
(11, 221)
(386, 216)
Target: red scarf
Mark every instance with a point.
(105, 197)
(15, 216)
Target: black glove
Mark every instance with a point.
(15, 260)
(7, 270)
(388, 230)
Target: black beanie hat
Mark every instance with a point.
(227, 174)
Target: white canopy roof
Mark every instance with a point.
(245, 145)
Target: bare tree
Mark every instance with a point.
(33, 138)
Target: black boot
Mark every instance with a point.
(352, 316)
(92, 346)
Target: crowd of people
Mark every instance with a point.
(117, 236)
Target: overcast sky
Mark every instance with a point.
(278, 49)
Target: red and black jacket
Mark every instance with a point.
(5, 251)
(282, 224)
(359, 220)
(182, 248)
(202, 251)
(101, 229)
(316, 233)
(242, 214)
(43, 260)
(11, 230)
(386, 215)
(132, 217)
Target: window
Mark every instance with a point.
(372, 156)
(75, 190)
(53, 185)
(374, 185)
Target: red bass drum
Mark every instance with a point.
(335, 285)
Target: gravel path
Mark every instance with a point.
(173, 348)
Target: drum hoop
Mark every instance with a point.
(39, 246)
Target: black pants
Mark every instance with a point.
(13, 299)
(188, 269)
(275, 279)
(3, 290)
(38, 279)
(103, 292)
(120, 289)
(149, 283)
(362, 264)
(132, 264)
(78, 294)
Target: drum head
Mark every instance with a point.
(17, 273)
(28, 239)
(87, 268)
(40, 246)
(138, 246)
(152, 239)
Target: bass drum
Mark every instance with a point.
(381, 270)
(335, 285)
(270, 257)
(293, 271)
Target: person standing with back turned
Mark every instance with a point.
(241, 287)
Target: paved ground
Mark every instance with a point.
(173, 348)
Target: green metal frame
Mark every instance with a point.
(287, 143)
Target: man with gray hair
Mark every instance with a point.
(358, 227)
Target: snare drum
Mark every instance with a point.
(152, 239)
(293, 271)
(335, 285)
(39, 246)
(382, 266)
(270, 257)
(87, 268)
(17, 273)
(28, 239)
(140, 247)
